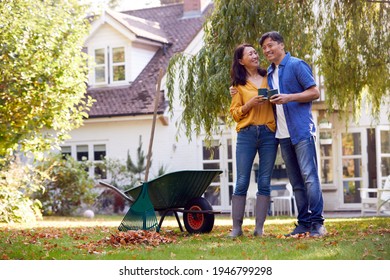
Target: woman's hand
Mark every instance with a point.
(258, 99)
(232, 91)
(255, 100)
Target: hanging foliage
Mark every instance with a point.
(347, 40)
(354, 54)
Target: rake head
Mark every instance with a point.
(141, 215)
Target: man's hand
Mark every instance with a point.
(280, 98)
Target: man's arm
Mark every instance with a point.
(305, 96)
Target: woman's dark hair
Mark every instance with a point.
(238, 72)
(273, 35)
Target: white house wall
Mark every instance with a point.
(140, 55)
(107, 35)
(122, 135)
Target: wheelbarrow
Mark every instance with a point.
(179, 191)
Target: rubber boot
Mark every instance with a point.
(261, 210)
(238, 209)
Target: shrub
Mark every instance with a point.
(68, 187)
(18, 181)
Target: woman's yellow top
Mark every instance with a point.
(261, 114)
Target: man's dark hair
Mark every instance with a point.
(275, 36)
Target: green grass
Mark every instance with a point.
(85, 239)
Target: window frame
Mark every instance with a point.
(90, 157)
(105, 65)
(115, 64)
(109, 65)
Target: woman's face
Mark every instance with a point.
(250, 58)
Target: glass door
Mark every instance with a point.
(383, 153)
(219, 156)
(353, 166)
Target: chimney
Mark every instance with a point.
(194, 8)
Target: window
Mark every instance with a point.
(212, 160)
(94, 153)
(352, 165)
(82, 153)
(118, 64)
(110, 65)
(384, 154)
(99, 154)
(100, 68)
(326, 158)
(66, 151)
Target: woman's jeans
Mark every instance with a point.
(302, 171)
(250, 141)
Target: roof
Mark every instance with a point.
(141, 27)
(138, 97)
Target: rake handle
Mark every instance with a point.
(156, 100)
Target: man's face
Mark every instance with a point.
(273, 51)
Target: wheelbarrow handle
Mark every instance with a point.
(122, 194)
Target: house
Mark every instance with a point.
(351, 156)
(130, 48)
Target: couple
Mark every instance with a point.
(262, 124)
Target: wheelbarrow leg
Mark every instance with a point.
(176, 215)
(178, 221)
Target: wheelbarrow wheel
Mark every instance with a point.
(198, 222)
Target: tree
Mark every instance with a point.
(204, 78)
(43, 73)
(354, 54)
(139, 167)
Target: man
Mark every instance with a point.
(296, 130)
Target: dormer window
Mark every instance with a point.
(118, 64)
(121, 46)
(110, 65)
(101, 67)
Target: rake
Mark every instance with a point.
(141, 214)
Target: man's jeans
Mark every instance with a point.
(250, 141)
(301, 164)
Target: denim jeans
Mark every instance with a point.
(250, 141)
(302, 171)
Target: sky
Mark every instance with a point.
(138, 4)
(130, 4)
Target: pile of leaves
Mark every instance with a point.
(133, 237)
(128, 239)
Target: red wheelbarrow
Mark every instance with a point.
(180, 191)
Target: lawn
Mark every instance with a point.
(99, 239)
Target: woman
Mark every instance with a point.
(256, 128)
